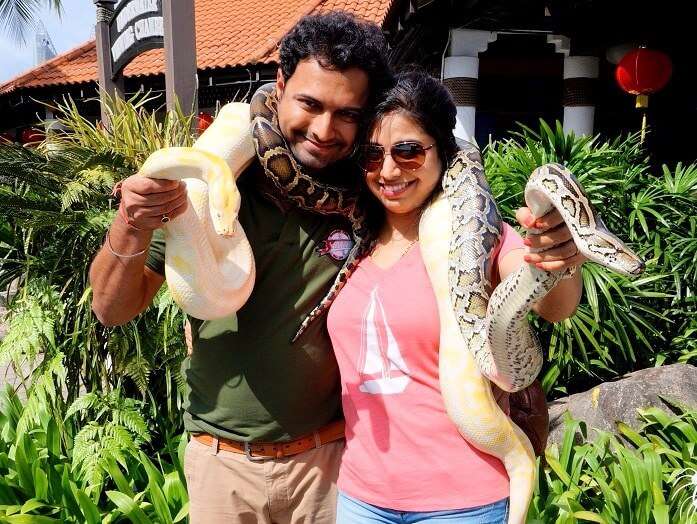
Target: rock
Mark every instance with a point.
(610, 402)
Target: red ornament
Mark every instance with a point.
(204, 120)
(31, 135)
(642, 72)
(7, 138)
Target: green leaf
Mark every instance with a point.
(53, 436)
(67, 493)
(589, 516)
(183, 513)
(29, 519)
(555, 466)
(661, 514)
(128, 507)
(118, 478)
(24, 472)
(154, 492)
(40, 481)
(89, 510)
(32, 504)
(632, 435)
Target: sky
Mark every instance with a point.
(72, 28)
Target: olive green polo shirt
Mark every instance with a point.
(245, 380)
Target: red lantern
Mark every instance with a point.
(642, 72)
(204, 120)
(7, 138)
(31, 135)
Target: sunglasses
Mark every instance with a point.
(407, 155)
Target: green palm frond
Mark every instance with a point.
(43, 395)
(134, 131)
(18, 16)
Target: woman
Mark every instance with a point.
(404, 459)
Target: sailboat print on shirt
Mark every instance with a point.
(381, 368)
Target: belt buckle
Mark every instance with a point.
(248, 454)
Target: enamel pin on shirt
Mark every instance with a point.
(337, 245)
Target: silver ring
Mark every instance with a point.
(164, 218)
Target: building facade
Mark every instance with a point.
(505, 62)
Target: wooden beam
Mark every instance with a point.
(180, 55)
(107, 86)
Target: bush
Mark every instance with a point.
(647, 476)
(53, 471)
(620, 325)
(56, 203)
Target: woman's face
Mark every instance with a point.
(403, 190)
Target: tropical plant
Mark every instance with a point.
(17, 16)
(98, 399)
(56, 202)
(52, 472)
(645, 476)
(621, 325)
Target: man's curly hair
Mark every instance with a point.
(340, 41)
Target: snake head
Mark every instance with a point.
(224, 201)
(628, 263)
(223, 196)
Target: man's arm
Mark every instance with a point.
(122, 286)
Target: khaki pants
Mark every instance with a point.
(227, 487)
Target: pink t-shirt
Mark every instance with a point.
(402, 451)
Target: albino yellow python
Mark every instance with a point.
(209, 265)
(457, 232)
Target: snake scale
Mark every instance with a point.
(484, 336)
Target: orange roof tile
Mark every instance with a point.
(228, 33)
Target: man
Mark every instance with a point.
(247, 384)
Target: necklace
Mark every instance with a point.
(404, 251)
(378, 244)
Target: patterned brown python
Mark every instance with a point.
(289, 177)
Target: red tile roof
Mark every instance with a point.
(228, 33)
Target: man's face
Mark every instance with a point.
(319, 111)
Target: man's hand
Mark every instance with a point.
(144, 201)
(552, 235)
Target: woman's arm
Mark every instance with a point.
(560, 303)
(561, 253)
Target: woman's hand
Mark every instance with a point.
(552, 235)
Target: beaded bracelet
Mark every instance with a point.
(119, 255)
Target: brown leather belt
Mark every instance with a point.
(263, 450)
